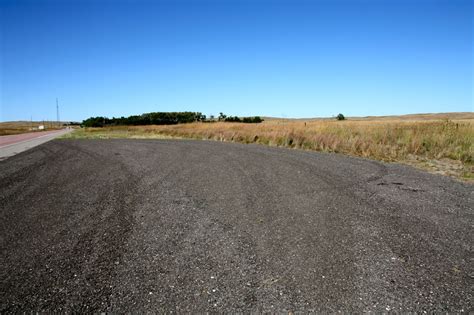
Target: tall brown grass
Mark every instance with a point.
(18, 127)
(387, 140)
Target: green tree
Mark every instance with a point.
(222, 117)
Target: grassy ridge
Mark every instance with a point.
(441, 146)
(19, 127)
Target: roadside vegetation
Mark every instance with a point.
(18, 127)
(440, 146)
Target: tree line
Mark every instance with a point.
(163, 118)
(249, 120)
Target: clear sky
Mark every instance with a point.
(269, 58)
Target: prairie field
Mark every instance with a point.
(437, 145)
(18, 127)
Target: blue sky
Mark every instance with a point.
(269, 58)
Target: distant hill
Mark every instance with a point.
(427, 116)
(17, 127)
(424, 116)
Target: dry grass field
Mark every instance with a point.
(17, 127)
(438, 145)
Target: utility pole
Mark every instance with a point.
(57, 112)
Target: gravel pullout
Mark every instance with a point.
(175, 225)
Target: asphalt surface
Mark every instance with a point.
(164, 225)
(14, 144)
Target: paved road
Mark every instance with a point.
(14, 144)
(161, 225)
